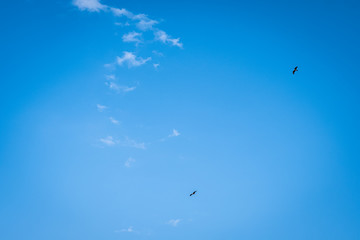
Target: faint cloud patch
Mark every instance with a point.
(129, 230)
(113, 120)
(101, 108)
(175, 133)
(160, 54)
(132, 143)
(122, 24)
(110, 77)
(117, 88)
(128, 163)
(109, 141)
(174, 222)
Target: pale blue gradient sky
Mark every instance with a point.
(272, 155)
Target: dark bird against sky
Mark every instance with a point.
(295, 69)
(192, 193)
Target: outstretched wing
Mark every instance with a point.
(295, 69)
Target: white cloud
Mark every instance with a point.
(132, 37)
(117, 88)
(101, 108)
(156, 65)
(109, 140)
(112, 86)
(174, 133)
(121, 12)
(129, 162)
(146, 24)
(141, 21)
(113, 120)
(132, 143)
(90, 5)
(131, 60)
(163, 37)
(174, 222)
(128, 89)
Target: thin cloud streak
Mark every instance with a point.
(101, 108)
(117, 88)
(113, 120)
(109, 141)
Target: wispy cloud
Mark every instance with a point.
(132, 143)
(129, 162)
(160, 54)
(165, 38)
(113, 120)
(128, 89)
(110, 66)
(174, 222)
(174, 133)
(132, 37)
(101, 108)
(89, 5)
(110, 77)
(141, 21)
(156, 65)
(129, 230)
(122, 24)
(109, 140)
(117, 88)
(121, 12)
(146, 24)
(127, 142)
(131, 60)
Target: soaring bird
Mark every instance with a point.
(192, 193)
(295, 69)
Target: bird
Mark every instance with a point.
(295, 69)
(192, 193)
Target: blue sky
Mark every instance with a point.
(113, 112)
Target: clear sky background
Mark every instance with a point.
(104, 134)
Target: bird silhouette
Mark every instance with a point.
(295, 70)
(192, 193)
